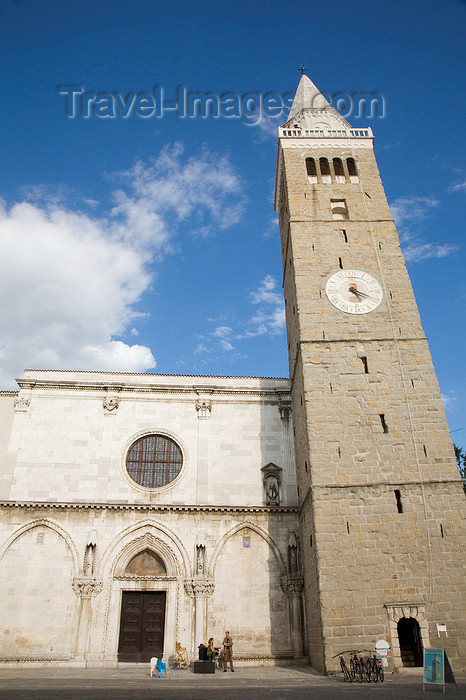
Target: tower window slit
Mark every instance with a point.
(310, 540)
(347, 527)
(380, 246)
(320, 293)
(399, 504)
(345, 237)
(331, 389)
(339, 451)
(340, 263)
(305, 466)
(364, 362)
(391, 295)
(412, 383)
(383, 422)
(425, 450)
(441, 530)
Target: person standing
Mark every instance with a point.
(227, 652)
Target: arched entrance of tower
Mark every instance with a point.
(248, 599)
(146, 569)
(39, 607)
(409, 637)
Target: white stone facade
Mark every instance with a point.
(64, 481)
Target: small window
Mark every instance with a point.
(338, 170)
(325, 170)
(399, 505)
(339, 209)
(311, 169)
(154, 461)
(352, 170)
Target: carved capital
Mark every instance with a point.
(22, 404)
(285, 411)
(87, 587)
(203, 408)
(110, 403)
(199, 588)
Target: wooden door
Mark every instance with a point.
(142, 625)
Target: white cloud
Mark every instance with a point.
(449, 400)
(67, 287)
(412, 208)
(415, 251)
(270, 318)
(70, 281)
(173, 186)
(222, 332)
(459, 187)
(267, 126)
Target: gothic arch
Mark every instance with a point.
(237, 528)
(146, 534)
(44, 522)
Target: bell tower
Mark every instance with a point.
(379, 491)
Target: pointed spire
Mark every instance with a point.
(307, 96)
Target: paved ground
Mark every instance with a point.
(275, 683)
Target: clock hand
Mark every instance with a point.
(358, 293)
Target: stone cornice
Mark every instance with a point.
(190, 392)
(269, 510)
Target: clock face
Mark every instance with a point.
(353, 291)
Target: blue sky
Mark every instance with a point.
(151, 244)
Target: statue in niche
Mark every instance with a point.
(272, 490)
(272, 481)
(89, 554)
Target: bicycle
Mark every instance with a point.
(345, 670)
(356, 666)
(376, 669)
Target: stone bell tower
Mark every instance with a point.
(379, 491)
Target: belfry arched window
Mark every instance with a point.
(338, 170)
(154, 461)
(324, 168)
(311, 167)
(352, 169)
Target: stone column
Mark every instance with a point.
(110, 408)
(293, 586)
(85, 588)
(203, 408)
(21, 407)
(199, 590)
(289, 478)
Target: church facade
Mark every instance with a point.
(306, 515)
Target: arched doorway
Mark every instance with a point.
(142, 622)
(409, 636)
